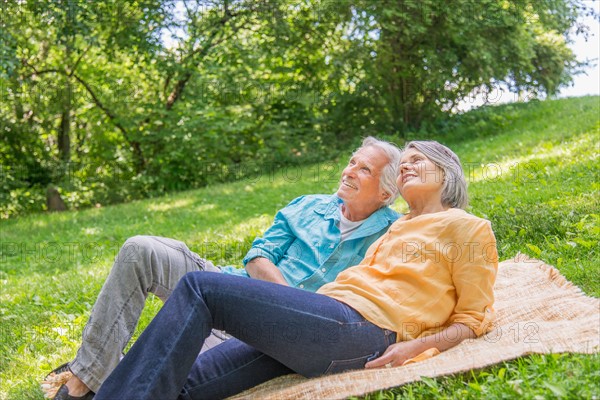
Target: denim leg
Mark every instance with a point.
(306, 332)
(233, 364)
(145, 264)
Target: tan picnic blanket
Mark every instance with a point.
(538, 311)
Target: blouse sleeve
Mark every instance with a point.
(473, 275)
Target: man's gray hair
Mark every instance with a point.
(454, 190)
(389, 174)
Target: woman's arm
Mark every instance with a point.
(399, 352)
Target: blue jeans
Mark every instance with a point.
(279, 330)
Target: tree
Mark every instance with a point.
(429, 55)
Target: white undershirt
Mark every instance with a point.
(347, 226)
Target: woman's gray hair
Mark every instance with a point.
(454, 190)
(389, 174)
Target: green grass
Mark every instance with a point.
(533, 171)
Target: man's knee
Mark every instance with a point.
(135, 249)
(133, 262)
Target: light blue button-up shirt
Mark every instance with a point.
(304, 241)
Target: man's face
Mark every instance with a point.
(360, 179)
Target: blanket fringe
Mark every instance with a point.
(552, 272)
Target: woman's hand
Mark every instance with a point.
(397, 353)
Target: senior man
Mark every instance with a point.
(312, 239)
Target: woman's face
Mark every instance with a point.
(418, 175)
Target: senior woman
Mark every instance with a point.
(427, 283)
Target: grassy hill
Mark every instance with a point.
(533, 171)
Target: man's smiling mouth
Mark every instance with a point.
(346, 183)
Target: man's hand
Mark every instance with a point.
(397, 353)
(263, 269)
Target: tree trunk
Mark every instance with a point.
(64, 130)
(64, 138)
(53, 200)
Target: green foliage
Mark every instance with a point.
(97, 102)
(430, 55)
(532, 171)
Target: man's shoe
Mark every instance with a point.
(55, 379)
(58, 370)
(63, 394)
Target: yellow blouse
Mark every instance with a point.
(425, 274)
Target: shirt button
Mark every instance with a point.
(323, 269)
(301, 286)
(331, 246)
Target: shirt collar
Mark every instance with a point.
(330, 210)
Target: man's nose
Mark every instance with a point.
(350, 170)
